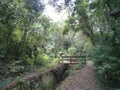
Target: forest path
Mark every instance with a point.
(84, 79)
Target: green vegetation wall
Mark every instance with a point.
(99, 20)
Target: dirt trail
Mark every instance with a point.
(84, 79)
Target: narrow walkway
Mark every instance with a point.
(84, 79)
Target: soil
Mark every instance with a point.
(84, 79)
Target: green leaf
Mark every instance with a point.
(20, 79)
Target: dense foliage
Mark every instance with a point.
(28, 38)
(23, 32)
(107, 47)
(99, 21)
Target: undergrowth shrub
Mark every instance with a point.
(107, 65)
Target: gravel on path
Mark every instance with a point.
(84, 79)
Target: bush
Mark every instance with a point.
(72, 50)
